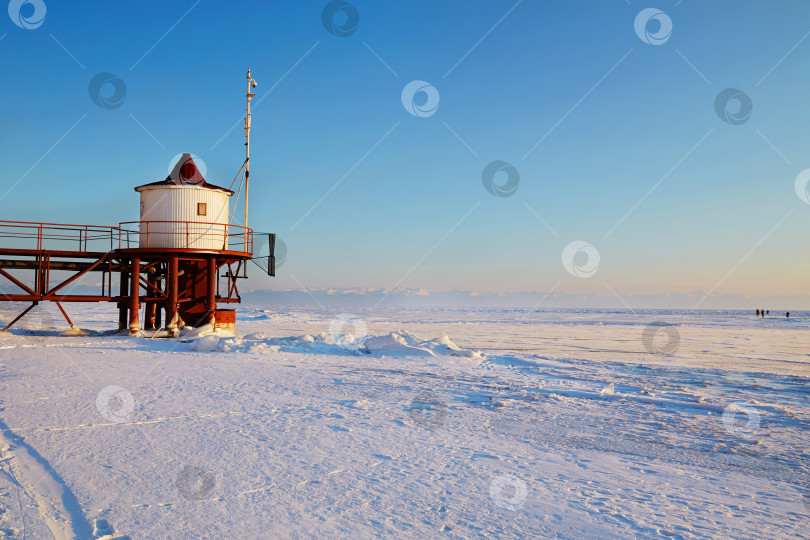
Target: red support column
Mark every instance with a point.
(134, 291)
(171, 303)
(151, 307)
(122, 305)
(211, 301)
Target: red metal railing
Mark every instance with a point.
(186, 235)
(61, 236)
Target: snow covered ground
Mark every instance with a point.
(409, 423)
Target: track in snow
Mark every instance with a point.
(57, 506)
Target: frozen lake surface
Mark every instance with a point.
(422, 423)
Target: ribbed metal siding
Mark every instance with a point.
(179, 203)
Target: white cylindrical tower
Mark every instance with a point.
(184, 211)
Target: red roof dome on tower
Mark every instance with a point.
(185, 173)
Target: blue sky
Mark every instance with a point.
(633, 157)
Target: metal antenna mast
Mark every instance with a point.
(250, 85)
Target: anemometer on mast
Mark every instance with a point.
(269, 265)
(251, 83)
(245, 178)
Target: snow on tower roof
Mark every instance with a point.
(185, 173)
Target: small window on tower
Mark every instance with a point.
(201, 209)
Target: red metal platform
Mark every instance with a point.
(184, 280)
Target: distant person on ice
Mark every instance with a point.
(757, 312)
(763, 312)
(768, 311)
(787, 314)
